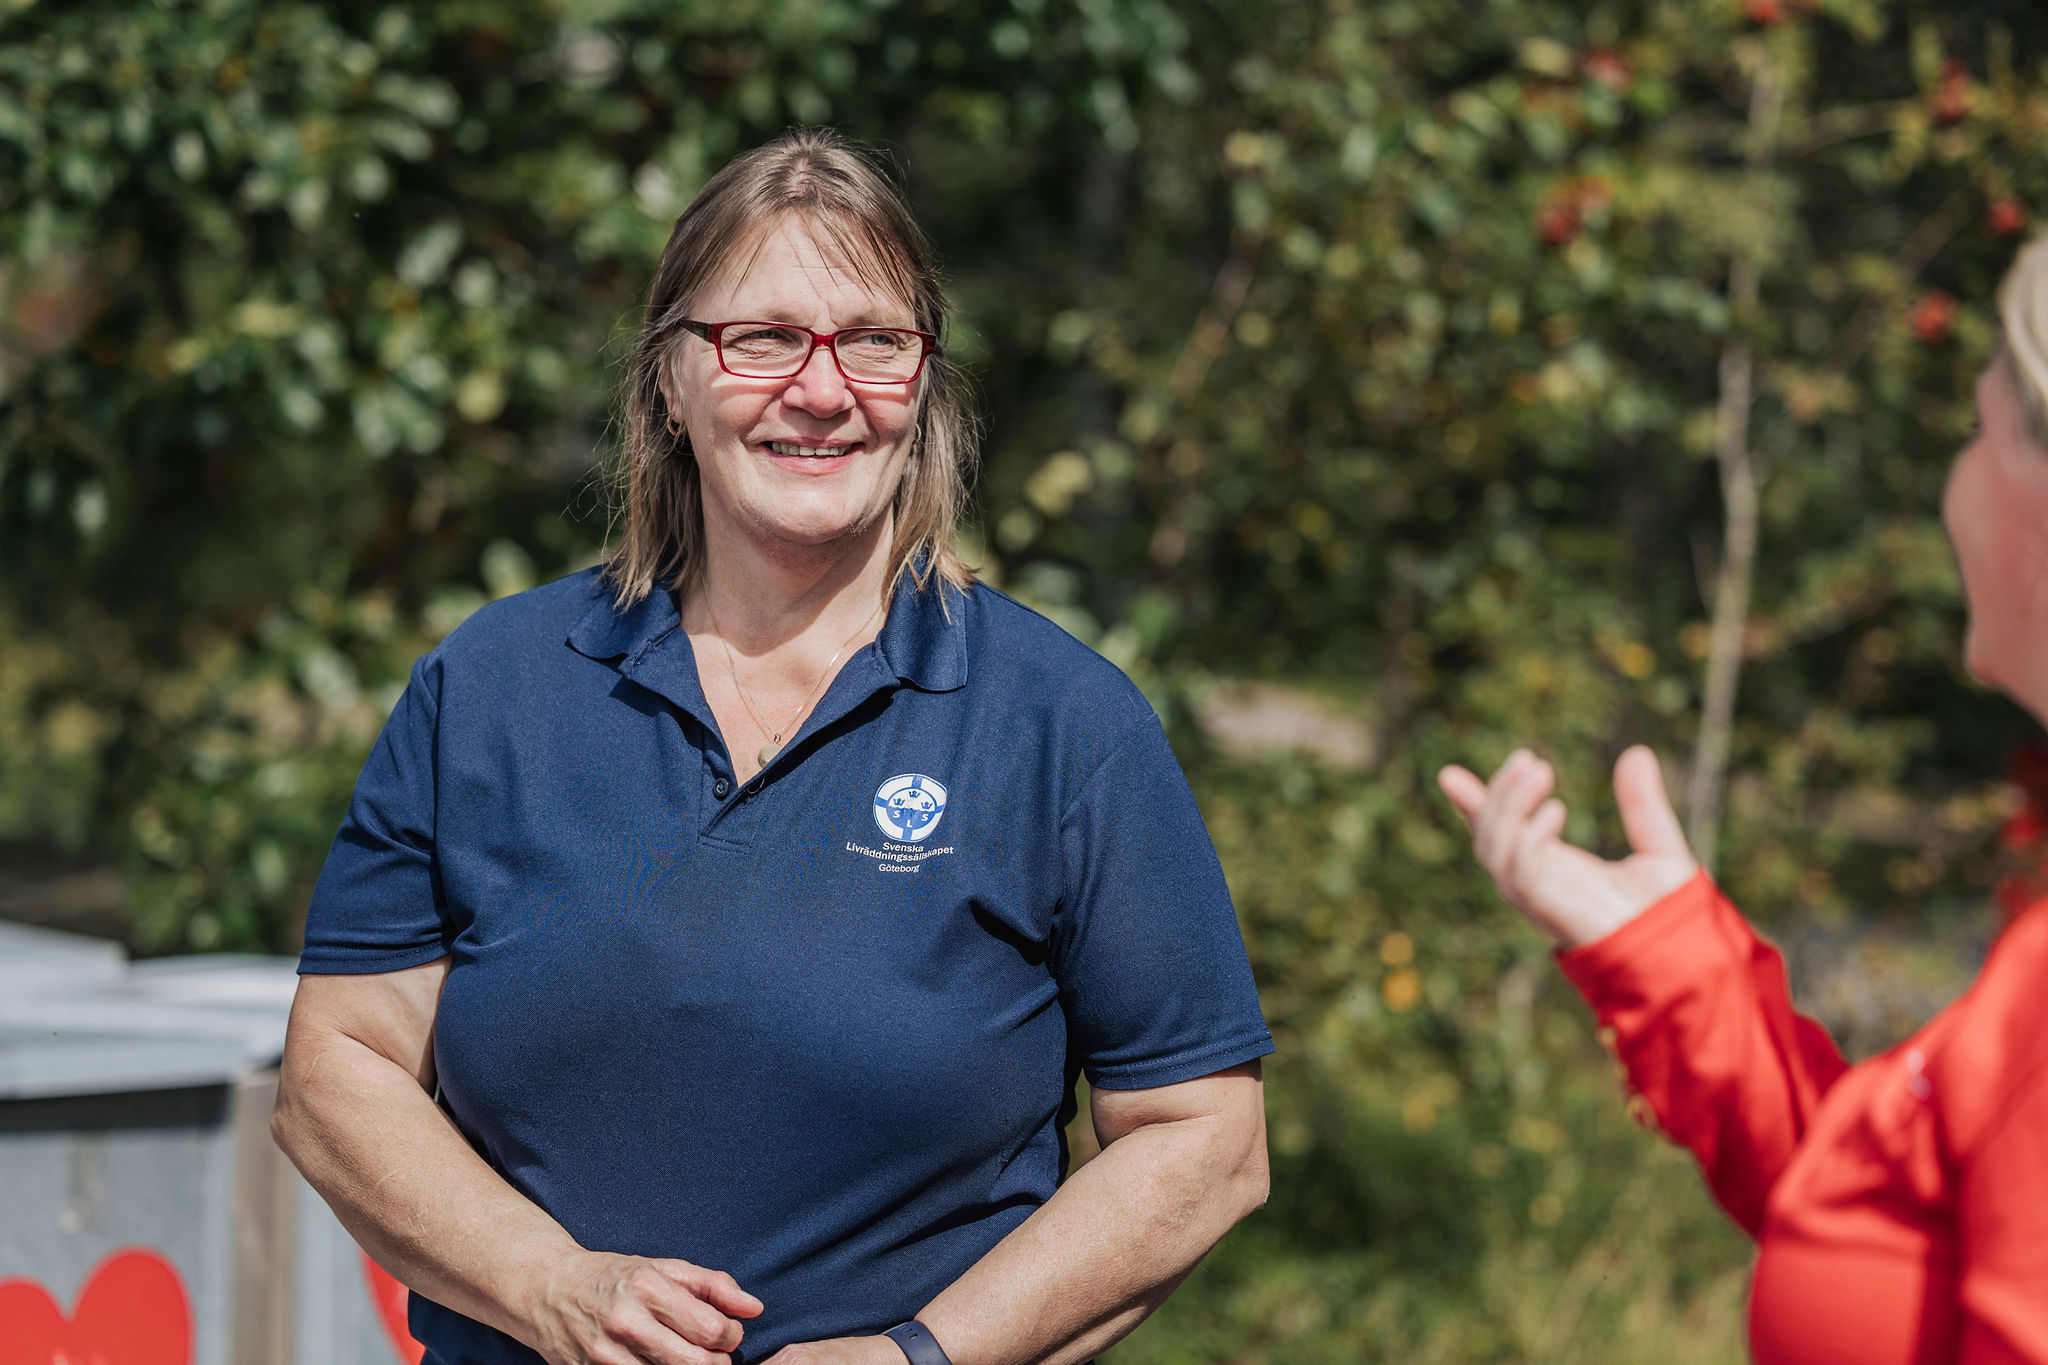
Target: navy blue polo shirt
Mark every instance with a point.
(820, 1029)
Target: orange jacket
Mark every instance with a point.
(1900, 1206)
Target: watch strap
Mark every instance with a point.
(919, 1346)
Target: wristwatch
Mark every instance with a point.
(919, 1346)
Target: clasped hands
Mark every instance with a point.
(600, 1308)
(1571, 895)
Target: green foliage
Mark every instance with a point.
(1367, 349)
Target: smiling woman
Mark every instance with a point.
(801, 458)
(788, 235)
(723, 1075)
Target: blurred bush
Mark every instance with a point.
(1353, 375)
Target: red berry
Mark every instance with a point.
(1562, 214)
(1557, 222)
(2005, 216)
(1766, 12)
(1933, 317)
(1951, 103)
(1605, 66)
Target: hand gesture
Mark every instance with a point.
(606, 1309)
(1568, 893)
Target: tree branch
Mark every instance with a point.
(1831, 126)
(1212, 328)
(1739, 487)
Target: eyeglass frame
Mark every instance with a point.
(713, 331)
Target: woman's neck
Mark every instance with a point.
(761, 597)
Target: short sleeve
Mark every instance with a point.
(378, 905)
(1151, 965)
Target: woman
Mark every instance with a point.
(752, 902)
(1901, 1205)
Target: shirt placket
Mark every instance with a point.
(732, 810)
(736, 817)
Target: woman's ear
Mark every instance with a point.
(669, 385)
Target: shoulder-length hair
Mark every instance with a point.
(2023, 311)
(852, 207)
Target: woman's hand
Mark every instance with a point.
(606, 1309)
(841, 1351)
(1568, 893)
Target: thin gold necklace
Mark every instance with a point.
(774, 746)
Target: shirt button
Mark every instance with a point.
(721, 789)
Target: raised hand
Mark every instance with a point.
(1568, 893)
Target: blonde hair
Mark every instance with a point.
(852, 207)
(2023, 311)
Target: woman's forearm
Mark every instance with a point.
(1112, 1243)
(408, 1187)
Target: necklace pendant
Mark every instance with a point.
(767, 754)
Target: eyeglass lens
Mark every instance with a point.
(878, 353)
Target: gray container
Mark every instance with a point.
(135, 1114)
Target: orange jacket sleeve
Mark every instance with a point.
(1700, 1015)
(2000, 1206)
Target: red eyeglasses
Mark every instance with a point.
(777, 350)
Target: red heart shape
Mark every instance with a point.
(390, 1297)
(132, 1311)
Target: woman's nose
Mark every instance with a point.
(818, 388)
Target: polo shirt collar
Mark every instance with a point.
(923, 641)
(648, 644)
(608, 632)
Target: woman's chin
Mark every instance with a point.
(1980, 658)
(818, 528)
(2004, 663)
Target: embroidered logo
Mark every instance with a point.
(909, 807)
